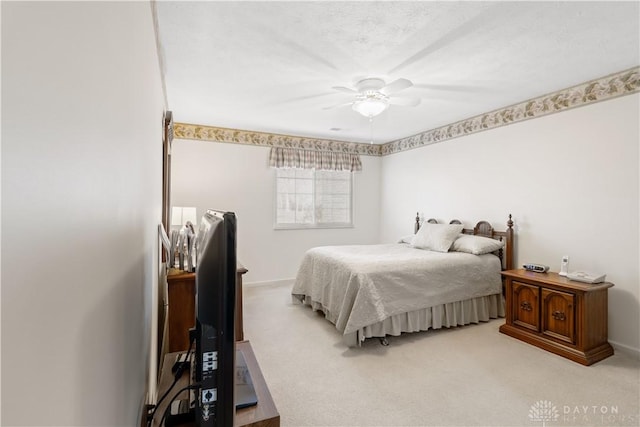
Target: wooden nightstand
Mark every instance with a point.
(563, 316)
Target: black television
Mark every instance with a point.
(215, 319)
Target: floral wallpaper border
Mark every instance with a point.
(608, 87)
(614, 85)
(216, 134)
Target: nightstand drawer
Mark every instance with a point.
(558, 315)
(526, 306)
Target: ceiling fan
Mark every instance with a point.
(373, 96)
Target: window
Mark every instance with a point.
(309, 198)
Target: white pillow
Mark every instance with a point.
(476, 245)
(407, 239)
(437, 237)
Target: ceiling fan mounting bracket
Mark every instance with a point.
(370, 84)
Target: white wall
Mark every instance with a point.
(81, 199)
(570, 180)
(237, 178)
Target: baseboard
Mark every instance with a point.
(269, 283)
(625, 349)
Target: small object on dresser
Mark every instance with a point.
(538, 268)
(564, 266)
(581, 276)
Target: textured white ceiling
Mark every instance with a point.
(269, 66)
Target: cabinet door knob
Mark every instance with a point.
(526, 306)
(558, 315)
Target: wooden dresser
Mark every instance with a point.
(562, 316)
(181, 295)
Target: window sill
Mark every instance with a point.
(310, 226)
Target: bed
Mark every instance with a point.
(426, 281)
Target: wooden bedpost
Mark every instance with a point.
(416, 227)
(509, 244)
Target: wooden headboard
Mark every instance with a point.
(483, 228)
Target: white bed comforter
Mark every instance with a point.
(357, 286)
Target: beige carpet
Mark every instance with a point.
(466, 376)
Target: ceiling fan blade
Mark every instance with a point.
(342, 104)
(395, 86)
(405, 102)
(344, 89)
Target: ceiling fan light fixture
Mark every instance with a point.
(371, 104)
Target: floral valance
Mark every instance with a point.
(309, 159)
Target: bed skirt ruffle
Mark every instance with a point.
(459, 313)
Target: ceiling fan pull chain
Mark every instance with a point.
(371, 128)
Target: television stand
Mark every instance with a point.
(264, 414)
